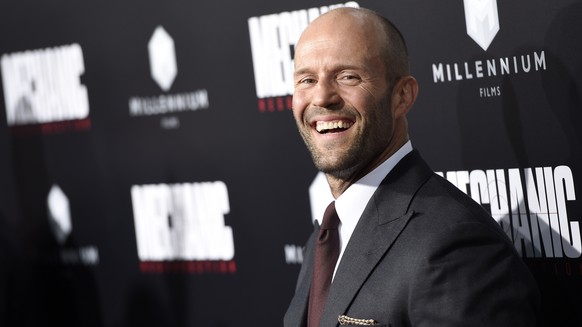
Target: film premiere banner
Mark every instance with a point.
(146, 160)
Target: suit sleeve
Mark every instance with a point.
(470, 275)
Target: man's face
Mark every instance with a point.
(341, 101)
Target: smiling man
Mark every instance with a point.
(399, 246)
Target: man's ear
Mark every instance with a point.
(404, 95)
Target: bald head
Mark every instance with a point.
(373, 32)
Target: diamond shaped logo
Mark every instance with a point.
(162, 54)
(59, 214)
(482, 21)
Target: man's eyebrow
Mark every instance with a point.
(301, 71)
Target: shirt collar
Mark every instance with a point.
(351, 204)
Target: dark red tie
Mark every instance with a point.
(326, 255)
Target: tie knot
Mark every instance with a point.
(330, 217)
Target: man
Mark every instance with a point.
(414, 250)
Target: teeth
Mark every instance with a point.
(329, 125)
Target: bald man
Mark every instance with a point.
(413, 249)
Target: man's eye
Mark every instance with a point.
(351, 79)
(307, 81)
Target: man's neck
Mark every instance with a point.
(338, 185)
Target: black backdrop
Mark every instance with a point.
(80, 189)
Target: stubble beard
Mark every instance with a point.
(345, 163)
(341, 163)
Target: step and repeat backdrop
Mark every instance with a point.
(151, 173)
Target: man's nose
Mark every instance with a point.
(326, 94)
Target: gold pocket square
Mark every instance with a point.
(345, 320)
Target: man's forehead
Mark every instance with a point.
(326, 50)
(348, 43)
(323, 57)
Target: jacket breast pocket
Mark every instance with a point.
(344, 320)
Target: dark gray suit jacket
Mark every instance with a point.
(424, 254)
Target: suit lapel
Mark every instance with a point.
(297, 312)
(361, 256)
(384, 218)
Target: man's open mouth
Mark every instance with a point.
(334, 126)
